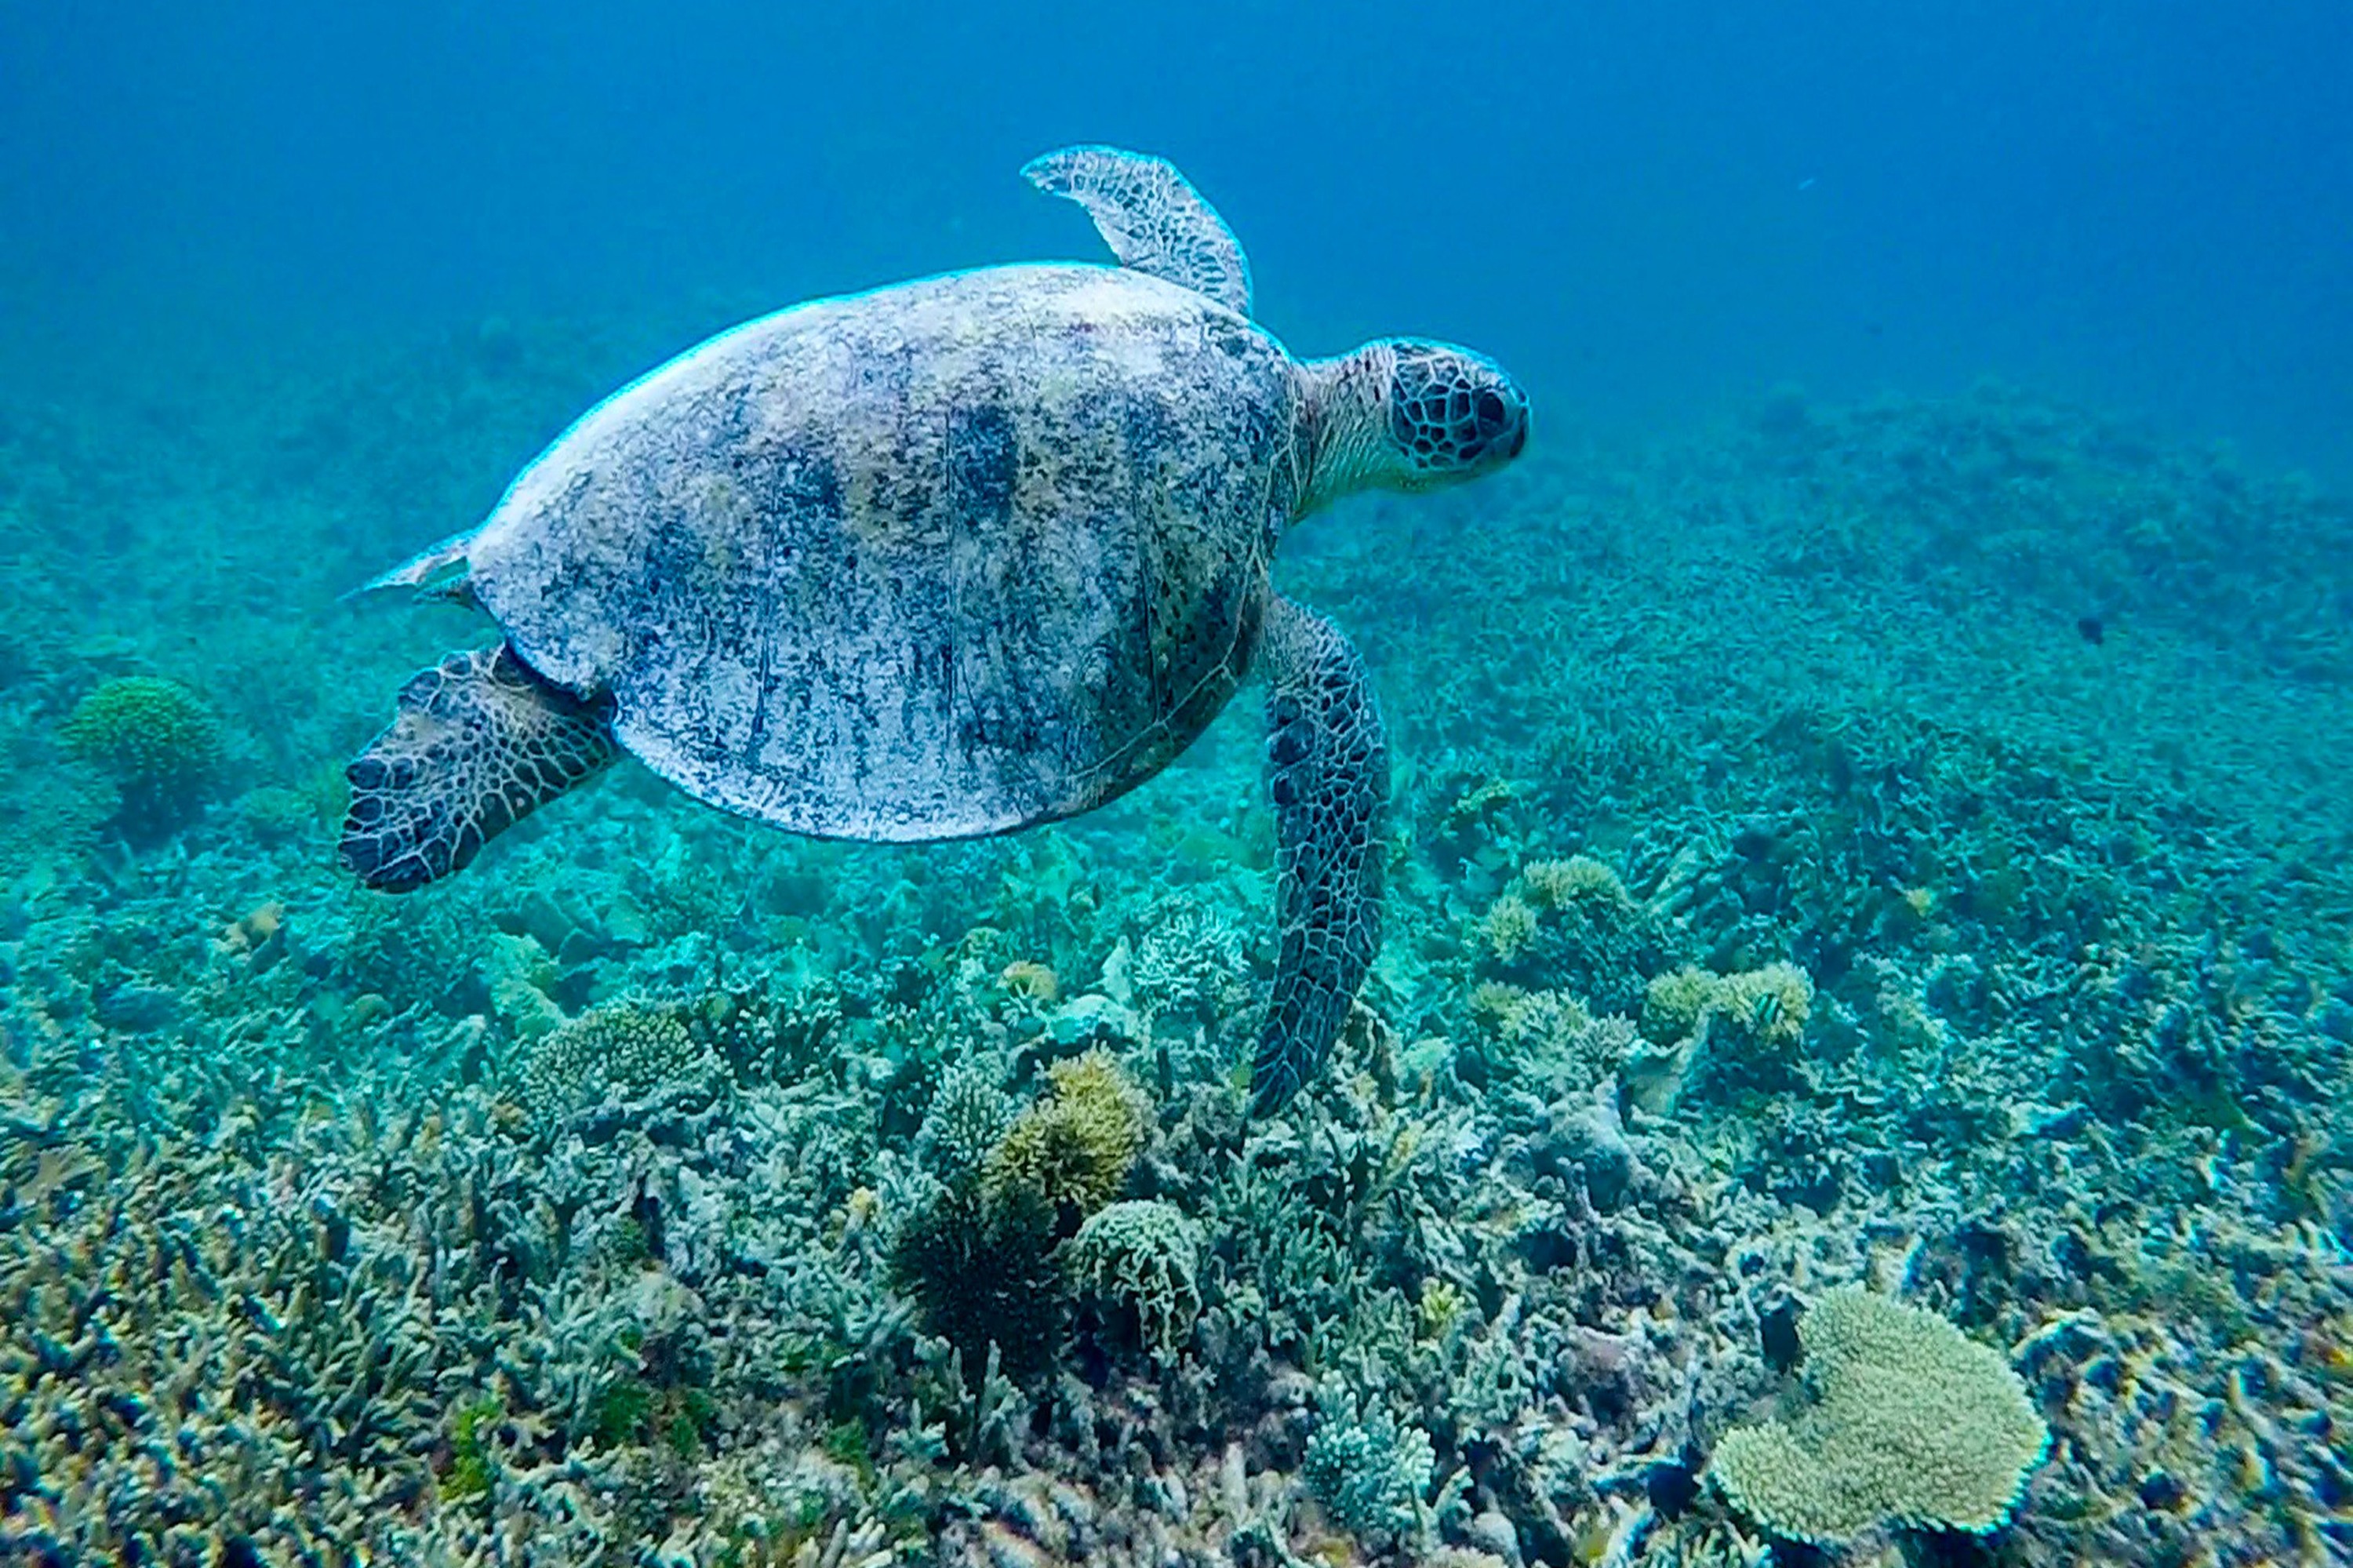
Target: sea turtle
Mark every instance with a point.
(949, 558)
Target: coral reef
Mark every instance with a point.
(1910, 1420)
(1785, 898)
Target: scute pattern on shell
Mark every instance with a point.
(946, 558)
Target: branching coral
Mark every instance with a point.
(1371, 1474)
(1911, 1422)
(206, 1359)
(1193, 963)
(968, 1115)
(1579, 879)
(1549, 1038)
(979, 1255)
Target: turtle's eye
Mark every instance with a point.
(1493, 413)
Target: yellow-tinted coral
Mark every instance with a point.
(1074, 1148)
(154, 738)
(1556, 883)
(1497, 1002)
(1912, 1422)
(1509, 926)
(1442, 1305)
(1769, 1005)
(1550, 1035)
(1030, 979)
(1676, 1001)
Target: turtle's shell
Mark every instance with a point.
(937, 560)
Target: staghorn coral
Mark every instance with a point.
(252, 1347)
(153, 739)
(1071, 1150)
(766, 1033)
(1142, 1254)
(1910, 1422)
(625, 1051)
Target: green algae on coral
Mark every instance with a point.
(469, 1475)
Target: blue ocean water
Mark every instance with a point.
(1656, 208)
(1856, 1058)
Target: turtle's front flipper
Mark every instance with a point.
(1330, 767)
(1151, 217)
(479, 744)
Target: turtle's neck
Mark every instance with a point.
(1347, 421)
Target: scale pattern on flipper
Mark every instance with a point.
(479, 744)
(1151, 217)
(1329, 763)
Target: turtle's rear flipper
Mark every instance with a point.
(1330, 767)
(479, 744)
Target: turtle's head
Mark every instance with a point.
(1453, 414)
(1406, 414)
